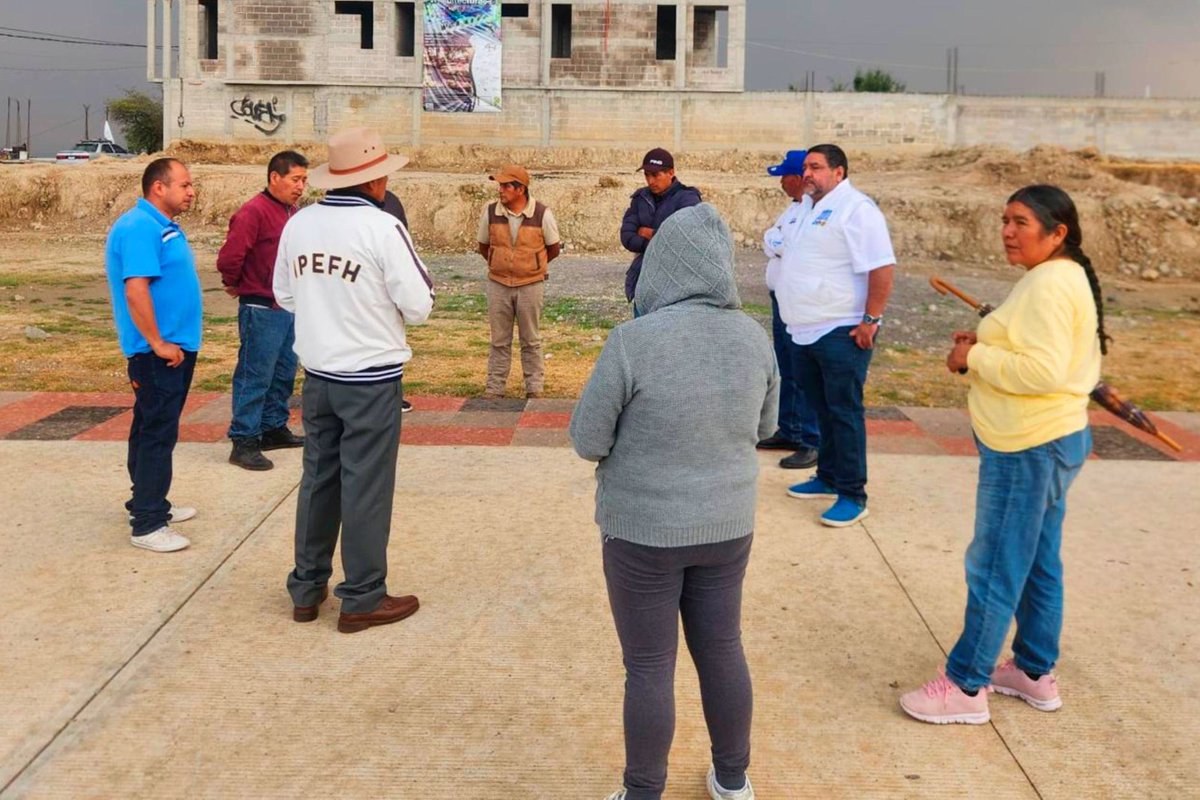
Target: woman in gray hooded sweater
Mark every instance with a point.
(672, 412)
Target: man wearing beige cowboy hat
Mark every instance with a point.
(350, 274)
(519, 237)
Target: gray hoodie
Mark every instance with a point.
(679, 397)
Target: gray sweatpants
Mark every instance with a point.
(649, 589)
(352, 435)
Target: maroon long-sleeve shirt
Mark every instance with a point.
(247, 259)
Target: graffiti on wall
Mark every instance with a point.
(264, 116)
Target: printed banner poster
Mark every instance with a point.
(462, 55)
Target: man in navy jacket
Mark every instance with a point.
(649, 207)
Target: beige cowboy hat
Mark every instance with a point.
(356, 156)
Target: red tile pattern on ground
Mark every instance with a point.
(442, 421)
(544, 419)
(449, 435)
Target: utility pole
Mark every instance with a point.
(86, 132)
(1099, 84)
(28, 125)
(954, 83)
(18, 119)
(8, 125)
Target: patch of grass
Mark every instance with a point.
(757, 309)
(475, 304)
(210, 319)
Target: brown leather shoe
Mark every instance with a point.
(392, 609)
(309, 613)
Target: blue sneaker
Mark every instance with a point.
(813, 487)
(843, 513)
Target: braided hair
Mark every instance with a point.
(1053, 207)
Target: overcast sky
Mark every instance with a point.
(1014, 47)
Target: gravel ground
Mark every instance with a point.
(917, 317)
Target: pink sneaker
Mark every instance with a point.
(1011, 680)
(940, 701)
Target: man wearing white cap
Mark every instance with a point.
(348, 271)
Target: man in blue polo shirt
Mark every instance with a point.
(156, 308)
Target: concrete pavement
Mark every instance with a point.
(134, 674)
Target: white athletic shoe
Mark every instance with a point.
(177, 514)
(718, 792)
(163, 540)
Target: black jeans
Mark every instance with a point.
(159, 394)
(649, 589)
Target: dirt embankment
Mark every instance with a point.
(940, 206)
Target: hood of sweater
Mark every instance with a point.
(689, 260)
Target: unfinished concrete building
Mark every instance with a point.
(588, 72)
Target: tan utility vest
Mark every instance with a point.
(523, 263)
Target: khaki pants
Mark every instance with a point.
(524, 304)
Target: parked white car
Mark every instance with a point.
(91, 149)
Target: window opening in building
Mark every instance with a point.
(560, 30)
(366, 15)
(664, 47)
(514, 9)
(710, 36)
(208, 29)
(406, 29)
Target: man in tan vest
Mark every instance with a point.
(518, 237)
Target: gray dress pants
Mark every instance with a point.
(352, 435)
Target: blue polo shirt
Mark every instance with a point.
(143, 243)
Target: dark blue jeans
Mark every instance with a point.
(1013, 563)
(833, 371)
(797, 420)
(159, 394)
(265, 375)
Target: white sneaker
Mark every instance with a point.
(718, 792)
(163, 540)
(617, 795)
(177, 514)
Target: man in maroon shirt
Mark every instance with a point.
(266, 367)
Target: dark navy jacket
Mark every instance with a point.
(649, 211)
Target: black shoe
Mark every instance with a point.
(803, 458)
(247, 454)
(279, 438)
(405, 406)
(777, 442)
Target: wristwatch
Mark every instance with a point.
(869, 320)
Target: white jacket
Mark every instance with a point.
(776, 237)
(349, 272)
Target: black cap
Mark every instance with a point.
(657, 160)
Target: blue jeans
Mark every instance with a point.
(265, 375)
(1013, 563)
(833, 371)
(159, 394)
(797, 420)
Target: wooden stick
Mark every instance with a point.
(944, 287)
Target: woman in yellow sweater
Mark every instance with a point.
(1031, 365)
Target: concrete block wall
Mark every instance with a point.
(1134, 128)
(613, 49)
(875, 119)
(743, 120)
(304, 41)
(521, 48)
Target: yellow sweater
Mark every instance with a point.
(1037, 358)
